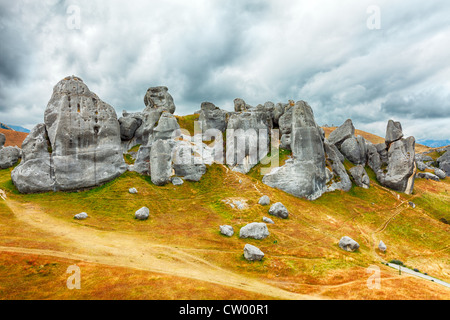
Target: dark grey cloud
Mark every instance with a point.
(321, 52)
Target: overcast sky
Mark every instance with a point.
(336, 55)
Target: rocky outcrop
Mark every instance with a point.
(360, 176)
(342, 133)
(78, 145)
(212, 117)
(9, 156)
(304, 175)
(161, 162)
(339, 179)
(394, 132)
(444, 162)
(159, 98)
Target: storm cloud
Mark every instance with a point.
(202, 50)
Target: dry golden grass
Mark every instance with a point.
(13, 138)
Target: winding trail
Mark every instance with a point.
(125, 250)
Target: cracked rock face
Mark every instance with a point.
(78, 145)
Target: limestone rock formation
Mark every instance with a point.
(161, 162)
(264, 200)
(160, 99)
(212, 117)
(305, 174)
(77, 147)
(360, 176)
(444, 162)
(342, 133)
(340, 179)
(394, 131)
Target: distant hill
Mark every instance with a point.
(434, 143)
(13, 138)
(18, 128)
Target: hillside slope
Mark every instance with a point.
(179, 253)
(13, 138)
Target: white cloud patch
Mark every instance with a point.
(318, 51)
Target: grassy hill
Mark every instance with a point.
(179, 253)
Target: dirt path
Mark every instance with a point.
(125, 250)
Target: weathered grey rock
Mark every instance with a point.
(133, 191)
(227, 230)
(2, 140)
(373, 157)
(9, 156)
(81, 216)
(278, 111)
(239, 105)
(144, 133)
(348, 244)
(268, 220)
(428, 176)
(167, 128)
(161, 162)
(412, 204)
(264, 201)
(285, 141)
(340, 179)
(440, 173)
(421, 166)
(360, 176)
(78, 147)
(212, 117)
(400, 172)
(187, 161)
(305, 175)
(342, 133)
(393, 132)
(279, 210)
(247, 140)
(160, 99)
(423, 157)
(255, 230)
(285, 120)
(444, 162)
(142, 163)
(382, 151)
(354, 149)
(177, 181)
(142, 214)
(128, 127)
(382, 246)
(253, 253)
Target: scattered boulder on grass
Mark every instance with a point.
(253, 253)
(348, 244)
(428, 176)
(268, 220)
(279, 210)
(440, 173)
(382, 246)
(9, 156)
(177, 181)
(264, 201)
(254, 230)
(142, 214)
(81, 216)
(227, 230)
(133, 191)
(412, 204)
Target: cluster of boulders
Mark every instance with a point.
(8, 155)
(257, 230)
(431, 169)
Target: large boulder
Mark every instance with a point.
(253, 253)
(394, 132)
(340, 179)
(342, 133)
(444, 162)
(161, 162)
(354, 149)
(348, 244)
(9, 156)
(160, 99)
(167, 128)
(401, 169)
(304, 175)
(279, 210)
(360, 176)
(247, 140)
(254, 230)
(212, 117)
(77, 147)
(128, 127)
